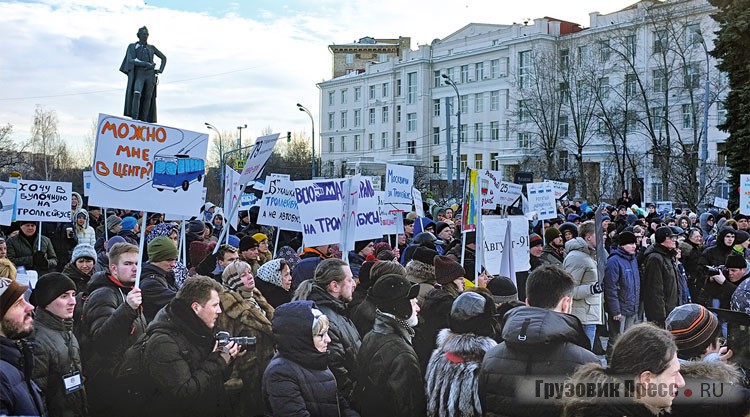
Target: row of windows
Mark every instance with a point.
(479, 71)
(411, 118)
(357, 145)
(377, 91)
(494, 164)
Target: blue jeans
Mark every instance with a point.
(590, 330)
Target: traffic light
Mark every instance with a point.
(288, 137)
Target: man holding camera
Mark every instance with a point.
(723, 282)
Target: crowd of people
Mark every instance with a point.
(244, 327)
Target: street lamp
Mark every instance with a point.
(221, 153)
(449, 81)
(312, 121)
(704, 127)
(239, 137)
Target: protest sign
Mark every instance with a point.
(258, 157)
(542, 199)
(494, 242)
(7, 202)
(368, 212)
(319, 203)
(388, 217)
(278, 206)
(399, 182)
(87, 182)
(721, 202)
(232, 191)
(471, 195)
(349, 212)
(663, 206)
(136, 162)
(418, 205)
(560, 188)
(43, 201)
(745, 194)
(498, 192)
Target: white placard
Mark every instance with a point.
(721, 202)
(663, 206)
(43, 201)
(349, 214)
(7, 202)
(542, 199)
(232, 191)
(494, 242)
(257, 160)
(388, 218)
(745, 194)
(144, 166)
(418, 206)
(498, 192)
(278, 206)
(87, 182)
(559, 187)
(319, 203)
(368, 212)
(399, 183)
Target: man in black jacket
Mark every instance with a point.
(541, 341)
(158, 281)
(659, 283)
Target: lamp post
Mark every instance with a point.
(239, 137)
(449, 81)
(312, 121)
(704, 127)
(221, 153)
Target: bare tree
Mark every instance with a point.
(45, 138)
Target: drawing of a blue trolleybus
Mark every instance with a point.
(176, 171)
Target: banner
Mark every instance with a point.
(7, 202)
(471, 195)
(399, 182)
(498, 192)
(494, 242)
(44, 201)
(257, 160)
(148, 167)
(418, 205)
(663, 206)
(278, 206)
(542, 199)
(745, 194)
(319, 203)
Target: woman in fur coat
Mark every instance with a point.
(453, 370)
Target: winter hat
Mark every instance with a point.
(741, 236)
(195, 226)
(440, 226)
(259, 237)
(113, 221)
(735, 260)
(392, 294)
(83, 250)
(447, 270)
(23, 222)
(361, 244)
(234, 241)
(270, 272)
(551, 233)
(381, 246)
(626, 238)
(9, 292)
(114, 239)
(534, 240)
(573, 217)
(49, 287)
(161, 249)
(424, 255)
(569, 227)
(503, 290)
(129, 223)
(662, 233)
(247, 242)
(692, 326)
(425, 238)
(472, 312)
(364, 273)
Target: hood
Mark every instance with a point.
(80, 200)
(421, 223)
(534, 327)
(218, 212)
(720, 236)
(630, 219)
(578, 244)
(292, 331)
(85, 213)
(703, 219)
(714, 370)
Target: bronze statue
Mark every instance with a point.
(139, 66)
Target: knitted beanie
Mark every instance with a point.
(247, 242)
(691, 325)
(129, 223)
(503, 290)
(259, 237)
(626, 238)
(83, 250)
(735, 260)
(10, 291)
(114, 239)
(49, 287)
(161, 248)
(551, 233)
(447, 270)
(534, 240)
(112, 222)
(270, 272)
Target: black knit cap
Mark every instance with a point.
(247, 242)
(735, 260)
(626, 238)
(49, 287)
(447, 270)
(392, 294)
(503, 290)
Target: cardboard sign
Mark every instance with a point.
(319, 203)
(7, 202)
(721, 202)
(560, 188)
(494, 242)
(44, 201)
(418, 205)
(542, 199)
(278, 206)
(144, 166)
(399, 183)
(498, 192)
(258, 157)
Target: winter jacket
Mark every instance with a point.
(423, 274)
(63, 242)
(552, 255)
(345, 341)
(19, 395)
(622, 284)
(709, 232)
(580, 262)
(305, 269)
(658, 284)
(110, 327)
(274, 294)
(456, 363)
(129, 236)
(184, 376)
(79, 278)
(21, 252)
(720, 377)
(355, 263)
(394, 384)
(433, 316)
(741, 297)
(725, 291)
(158, 288)
(85, 234)
(691, 254)
(56, 356)
(363, 315)
(537, 342)
(242, 316)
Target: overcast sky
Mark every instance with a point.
(229, 63)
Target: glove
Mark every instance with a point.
(39, 260)
(596, 288)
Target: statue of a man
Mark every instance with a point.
(139, 66)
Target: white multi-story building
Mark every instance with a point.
(597, 107)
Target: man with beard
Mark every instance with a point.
(553, 252)
(19, 395)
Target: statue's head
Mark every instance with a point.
(143, 34)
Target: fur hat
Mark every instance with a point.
(692, 326)
(113, 221)
(424, 255)
(392, 294)
(360, 245)
(551, 233)
(270, 272)
(626, 238)
(83, 250)
(735, 260)
(503, 290)
(161, 248)
(10, 291)
(534, 240)
(569, 227)
(129, 223)
(447, 270)
(472, 312)
(49, 287)
(247, 242)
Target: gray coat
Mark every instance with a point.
(580, 262)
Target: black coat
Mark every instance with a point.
(537, 342)
(659, 284)
(433, 317)
(274, 294)
(158, 289)
(19, 395)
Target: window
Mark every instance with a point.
(692, 74)
(343, 96)
(464, 128)
(494, 163)
(630, 46)
(478, 132)
(507, 130)
(349, 58)
(688, 112)
(657, 115)
(478, 157)
(331, 98)
(386, 86)
(372, 92)
(495, 130)
(382, 57)
(564, 59)
(631, 119)
(494, 68)
(449, 72)
(464, 162)
(371, 141)
(564, 91)
(343, 120)
(356, 142)
(398, 114)
(435, 164)
(357, 117)
(436, 107)
(343, 144)
(371, 113)
(523, 112)
(721, 113)
(562, 126)
(357, 93)
(411, 147)
(331, 145)
(604, 87)
(411, 87)
(479, 71)
(604, 50)
(524, 69)
(660, 41)
(495, 100)
(583, 54)
(464, 73)
(657, 191)
(411, 122)
(524, 140)
(398, 88)
(463, 106)
(384, 140)
(436, 79)
(385, 114)
(436, 136)
(631, 85)
(721, 154)
(331, 118)
(660, 81)
(562, 160)
(693, 35)
(478, 102)
(398, 140)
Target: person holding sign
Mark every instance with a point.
(23, 249)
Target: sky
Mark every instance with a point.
(229, 63)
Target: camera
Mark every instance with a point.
(715, 270)
(244, 342)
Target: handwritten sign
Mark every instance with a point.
(498, 192)
(721, 202)
(44, 201)
(7, 202)
(149, 167)
(319, 203)
(388, 216)
(278, 206)
(368, 212)
(258, 157)
(542, 199)
(399, 182)
(418, 205)
(494, 242)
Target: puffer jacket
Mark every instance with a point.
(394, 384)
(56, 356)
(537, 342)
(19, 394)
(580, 262)
(158, 288)
(622, 284)
(345, 341)
(21, 252)
(658, 284)
(85, 234)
